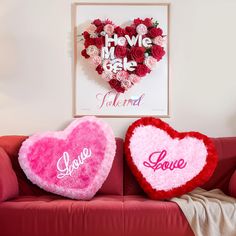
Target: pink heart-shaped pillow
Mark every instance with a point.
(165, 162)
(74, 162)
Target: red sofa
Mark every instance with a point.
(120, 208)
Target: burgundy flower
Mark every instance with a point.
(137, 53)
(148, 22)
(157, 52)
(131, 31)
(115, 84)
(86, 35)
(99, 69)
(97, 22)
(88, 42)
(84, 53)
(120, 51)
(142, 70)
(154, 32)
(138, 21)
(119, 31)
(99, 29)
(99, 42)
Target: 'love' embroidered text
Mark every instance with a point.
(64, 166)
(156, 163)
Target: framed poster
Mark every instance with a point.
(121, 60)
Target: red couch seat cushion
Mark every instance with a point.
(8, 180)
(12, 144)
(102, 216)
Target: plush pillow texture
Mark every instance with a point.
(74, 162)
(8, 180)
(167, 163)
(232, 185)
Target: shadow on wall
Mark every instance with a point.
(232, 123)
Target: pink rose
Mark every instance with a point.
(109, 29)
(96, 60)
(141, 29)
(150, 62)
(91, 29)
(107, 75)
(133, 78)
(126, 84)
(159, 40)
(122, 75)
(92, 50)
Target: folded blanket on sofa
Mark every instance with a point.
(209, 213)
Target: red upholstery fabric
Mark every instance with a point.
(8, 181)
(232, 185)
(12, 144)
(116, 173)
(102, 216)
(226, 149)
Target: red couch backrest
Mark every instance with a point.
(226, 149)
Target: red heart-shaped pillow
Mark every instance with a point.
(167, 163)
(123, 56)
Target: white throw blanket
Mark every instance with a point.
(209, 213)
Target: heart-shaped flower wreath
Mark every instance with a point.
(123, 56)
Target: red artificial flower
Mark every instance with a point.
(129, 57)
(157, 52)
(119, 31)
(99, 29)
(142, 70)
(138, 21)
(137, 53)
(86, 34)
(99, 42)
(97, 22)
(148, 22)
(115, 84)
(99, 69)
(120, 51)
(84, 53)
(88, 42)
(131, 31)
(154, 32)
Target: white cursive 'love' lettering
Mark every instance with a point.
(64, 166)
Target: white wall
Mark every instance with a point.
(35, 67)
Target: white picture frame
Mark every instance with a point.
(91, 94)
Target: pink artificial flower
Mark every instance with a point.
(92, 50)
(159, 40)
(107, 21)
(141, 29)
(126, 84)
(109, 29)
(91, 29)
(107, 75)
(122, 75)
(150, 62)
(133, 78)
(96, 60)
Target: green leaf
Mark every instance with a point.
(155, 24)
